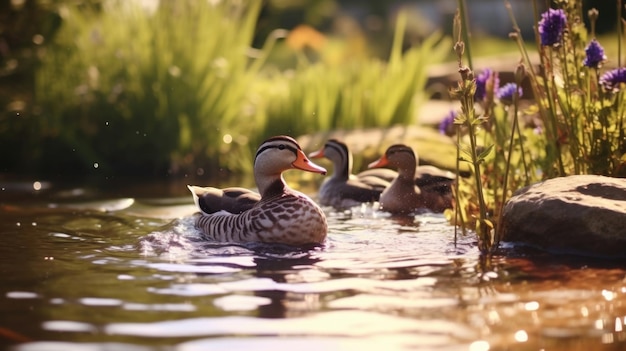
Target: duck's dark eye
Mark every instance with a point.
(281, 147)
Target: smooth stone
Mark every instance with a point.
(581, 214)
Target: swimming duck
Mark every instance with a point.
(415, 188)
(344, 189)
(278, 214)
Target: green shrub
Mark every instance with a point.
(364, 92)
(180, 89)
(574, 124)
(138, 92)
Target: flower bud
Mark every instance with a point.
(459, 48)
(593, 14)
(456, 26)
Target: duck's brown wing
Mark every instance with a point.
(385, 174)
(234, 200)
(363, 190)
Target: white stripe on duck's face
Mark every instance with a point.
(281, 153)
(276, 155)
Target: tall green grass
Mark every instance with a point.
(138, 91)
(181, 90)
(357, 93)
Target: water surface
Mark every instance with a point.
(89, 272)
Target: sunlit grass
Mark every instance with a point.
(140, 91)
(180, 90)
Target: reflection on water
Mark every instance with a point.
(133, 274)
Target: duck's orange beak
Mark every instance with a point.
(381, 162)
(303, 163)
(317, 154)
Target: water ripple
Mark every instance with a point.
(335, 323)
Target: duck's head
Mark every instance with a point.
(399, 156)
(280, 153)
(337, 152)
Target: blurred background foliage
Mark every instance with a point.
(191, 87)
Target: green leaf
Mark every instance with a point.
(485, 152)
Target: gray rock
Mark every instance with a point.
(582, 214)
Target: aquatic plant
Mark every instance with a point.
(573, 123)
(594, 55)
(483, 80)
(552, 26)
(446, 126)
(473, 154)
(613, 80)
(506, 92)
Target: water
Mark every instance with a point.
(84, 272)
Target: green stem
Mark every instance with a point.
(521, 142)
(505, 182)
(552, 109)
(466, 35)
(485, 243)
(619, 33)
(547, 115)
(457, 212)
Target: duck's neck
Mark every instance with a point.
(343, 168)
(342, 163)
(270, 185)
(406, 173)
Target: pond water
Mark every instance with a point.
(89, 272)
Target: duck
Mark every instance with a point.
(344, 189)
(415, 188)
(276, 214)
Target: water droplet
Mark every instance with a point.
(521, 336)
(480, 345)
(531, 306)
(599, 324)
(227, 138)
(608, 295)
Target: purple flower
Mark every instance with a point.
(612, 80)
(446, 126)
(481, 84)
(551, 26)
(595, 55)
(505, 93)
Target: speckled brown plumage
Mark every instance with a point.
(282, 215)
(404, 196)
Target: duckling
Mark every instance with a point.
(404, 195)
(344, 189)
